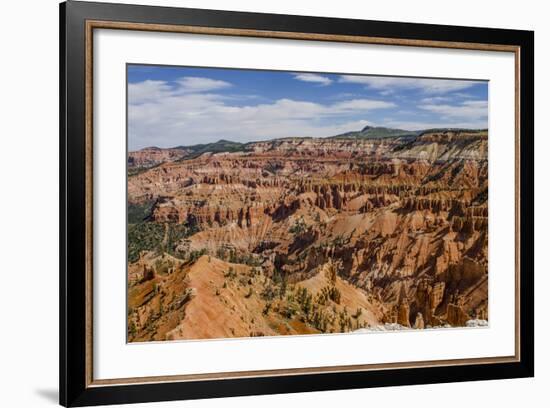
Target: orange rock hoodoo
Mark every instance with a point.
(401, 224)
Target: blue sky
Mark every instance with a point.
(173, 106)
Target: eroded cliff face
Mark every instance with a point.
(151, 156)
(374, 231)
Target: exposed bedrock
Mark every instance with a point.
(402, 225)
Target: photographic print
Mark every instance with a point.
(266, 203)
(257, 204)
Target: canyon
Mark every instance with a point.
(294, 236)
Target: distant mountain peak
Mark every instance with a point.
(376, 132)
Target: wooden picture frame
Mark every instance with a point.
(78, 20)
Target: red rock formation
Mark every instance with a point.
(406, 223)
(151, 156)
(419, 321)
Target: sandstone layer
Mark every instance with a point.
(296, 236)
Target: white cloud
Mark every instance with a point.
(429, 86)
(462, 95)
(147, 91)
(465, 110)
(319, 79)
(468, 114)
(435, 99)
(343, 95)
(417, 125)
(171, 116)
(362, 104)
(198, 84)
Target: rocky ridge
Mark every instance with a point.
(398, 224)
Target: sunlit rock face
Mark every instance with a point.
(297, 236)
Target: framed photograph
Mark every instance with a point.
(256, 204)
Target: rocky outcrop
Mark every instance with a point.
(402, 221)
(456, 316)
(428, 298)
(445, 146)
(419, 321)
(151, 156)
